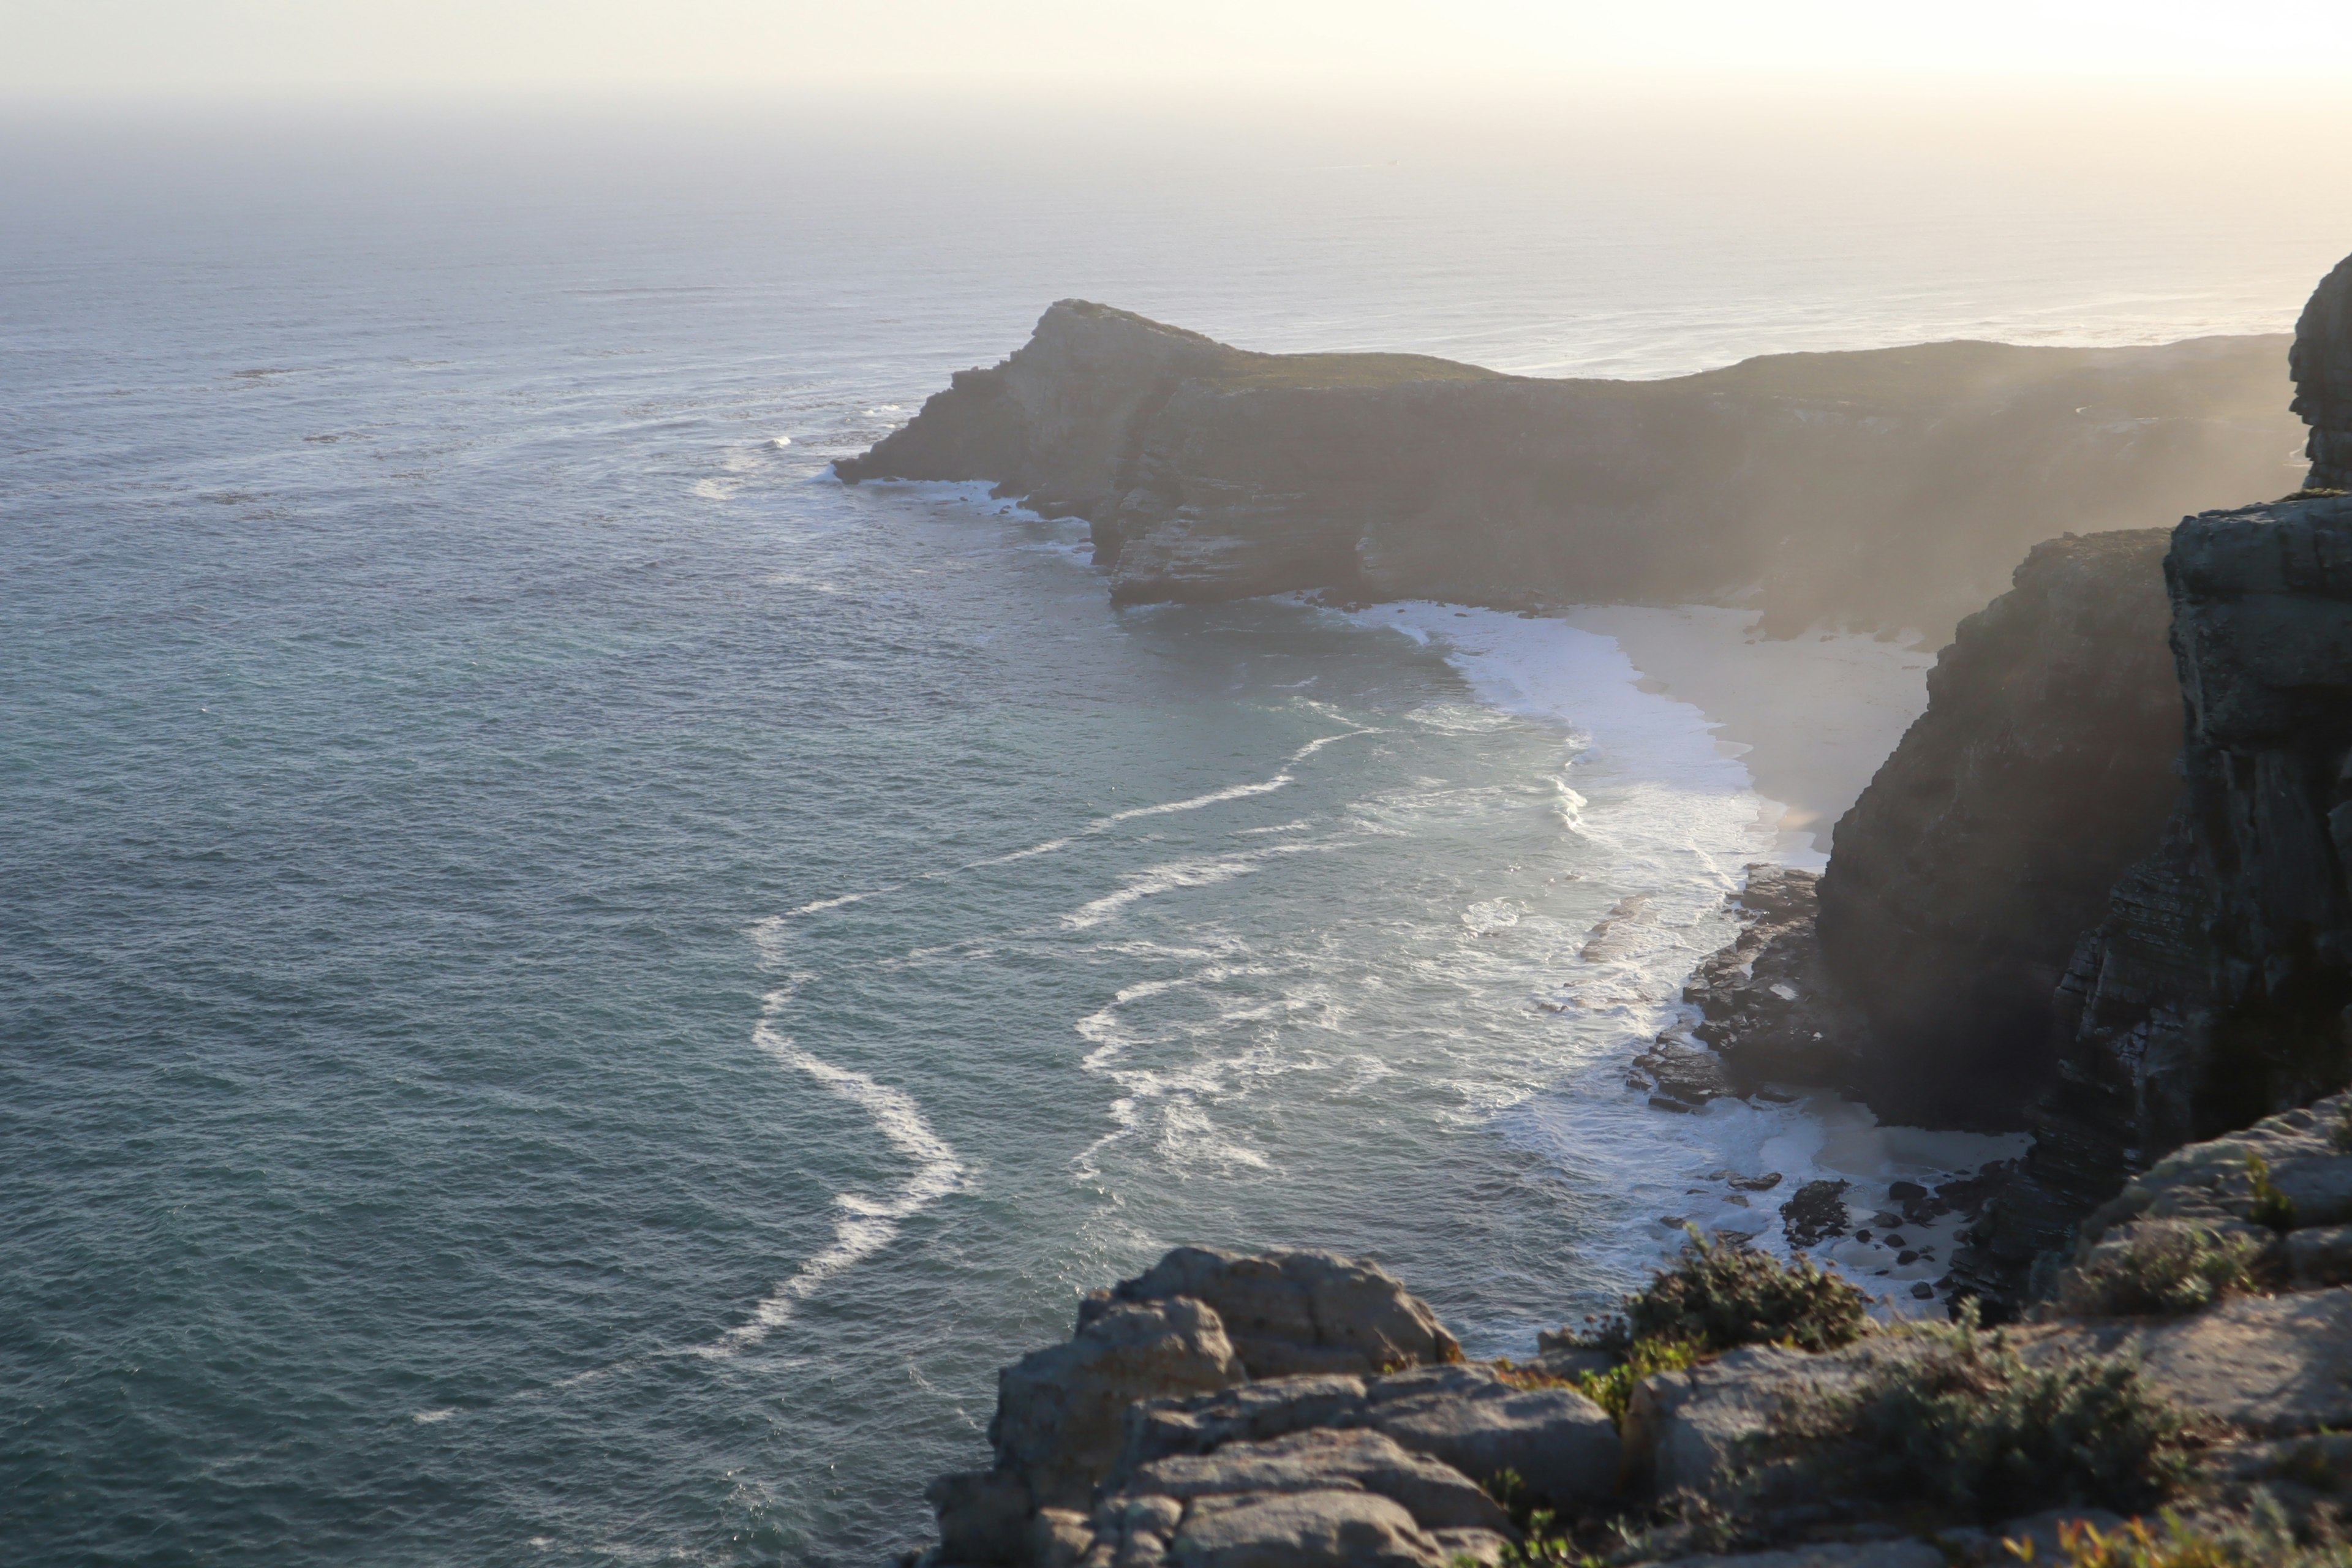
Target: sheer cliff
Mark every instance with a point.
(2323, 379)
(1986, 843)
(1885, 487)
(2218, 986)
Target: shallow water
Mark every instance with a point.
(573, 986)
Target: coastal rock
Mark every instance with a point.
(1817, 1211)
(1474, 1418)
(2215, 990)
(1061, 1412)
(1300, 1529)
(1961, 879)
(1249, 1413)
(1889, 488)
(1436, 1496)
(2321, 363)
(1295, 1311)
(1563, 1447)
(1768, 1007)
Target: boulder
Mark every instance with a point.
(1301, 1530)
(1061, 1412)
(1295, 1312)
(1321, 1460)
(1251, 1413)
(1563, 1447)
(1695, 1430)
(2212, 1183)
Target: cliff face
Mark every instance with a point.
(1961, 878)
(1888, 488)
(2215, 990)
(2323, 379)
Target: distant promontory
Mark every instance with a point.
(1882, 488)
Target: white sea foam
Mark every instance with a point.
(1179, 874)
(867, 1224)
(1679, 820)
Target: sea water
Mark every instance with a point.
(571, 987)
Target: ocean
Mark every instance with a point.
(571, 987)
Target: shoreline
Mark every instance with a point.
(1624, 681)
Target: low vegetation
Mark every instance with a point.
(1613, 1390)
(2266, 1541)
(1721, 1296)
(2164, 1273)
(1956, 1421)
(2272, 1206)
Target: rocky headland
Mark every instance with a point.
(1884, 489)
(2103, 888)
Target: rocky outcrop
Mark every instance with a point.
(1289, 1313)
(1768, 1006)
(1110, 1406)
(1961, 879)
(2321, 363)
(2216, 987)
(1885, 487)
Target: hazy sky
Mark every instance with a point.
(78, 49)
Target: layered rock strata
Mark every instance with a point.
(1887, 487)
(2216, 987)
(1961, 879)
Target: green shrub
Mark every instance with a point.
(1721, 1296)
(1957, 1420)
(1613, 1390)
(2272, 1206)
(2164, 1273)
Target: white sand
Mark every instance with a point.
(1810, 718)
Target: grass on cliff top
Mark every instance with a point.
(1957, 1420)
(1720, 1295)
(1344, 372)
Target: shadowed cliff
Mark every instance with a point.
(1888, 488)
(1959, 881)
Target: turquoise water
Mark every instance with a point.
(572, 988)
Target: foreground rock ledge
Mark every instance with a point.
(1299, 1409)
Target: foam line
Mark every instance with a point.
(867, 1224)
(1100, 825)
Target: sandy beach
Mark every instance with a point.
(1810, 718)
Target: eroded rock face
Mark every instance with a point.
(1962, 878)
(1295, 1312)
(2215, 989)
(2321, 363)
(1061, 1412)
(1891, 487)
(1152, 1397)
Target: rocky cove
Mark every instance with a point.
(2097, 892)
